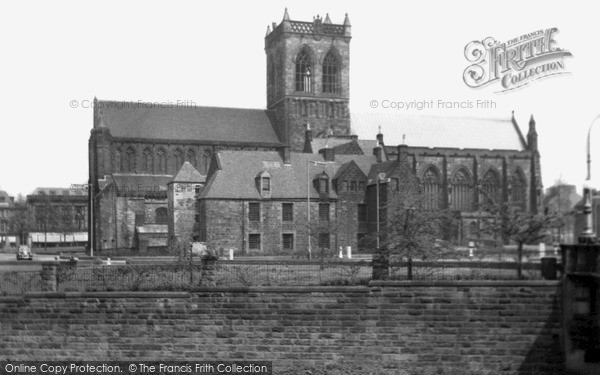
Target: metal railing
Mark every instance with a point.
(158, 277)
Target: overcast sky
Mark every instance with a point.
(212, 53)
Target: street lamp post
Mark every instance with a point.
(380, 178)
(588, 235)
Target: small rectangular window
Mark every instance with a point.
(362, 213)
(344, 185)
(324, 212)
(352, 185)
(394, 184)
(288, 241)
(266, 183)
(324, 240)
(287, 211)
(254, 241)
(254, 211)
(323, 188)
(361, 185)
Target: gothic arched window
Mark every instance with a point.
(147, 160)
(518, 189)
(129, 160)
(161, 161)
(178, 154)
(303, 72)
(204, 163)
(161, 216)
(118, 157)
(331, 74)
(462, 195)
(430, 182)
(191, 157)
(490, 188)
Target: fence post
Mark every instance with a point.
(48, 276)
(208, 266)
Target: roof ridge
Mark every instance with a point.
(183, 105)
(406, 115)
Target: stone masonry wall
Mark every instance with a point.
(403, 328)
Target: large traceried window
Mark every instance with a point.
(518, 189)
(178, 154)
(490, 189)
(118, 161)
(191, 157)
(462, 191)
(430, 182)
(303, 72)
(161, 161)
(129, 160)
(147, 160)
(331, 74)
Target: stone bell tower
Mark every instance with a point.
(308, 70)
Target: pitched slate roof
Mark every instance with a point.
(430, 131)
(155, 121)
(188, 173)
(4, 199)
(341, 144)
(236, 178)
(60, 191)
(138, 184)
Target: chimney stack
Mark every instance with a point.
(328, 153)
(308, 137)
(378, 152)
(285, 155)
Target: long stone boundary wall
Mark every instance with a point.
(385, 328)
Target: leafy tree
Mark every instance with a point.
(22, 221)
(412, 230)
(513, 223)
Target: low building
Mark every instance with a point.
(561, 199)
(60, 212)
(7, 207)
(279, 203)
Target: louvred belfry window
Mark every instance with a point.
(331, 71)
(303, 72)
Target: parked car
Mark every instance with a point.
(24, 252)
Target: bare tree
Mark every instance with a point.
(22, 221)
(513, 223)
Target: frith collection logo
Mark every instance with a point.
(516, 62)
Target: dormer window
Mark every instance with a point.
(321, 182)
(266, 184)
(263, 184)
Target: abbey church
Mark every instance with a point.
(257, 180)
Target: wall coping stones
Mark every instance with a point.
(373, 286)
(469, 283)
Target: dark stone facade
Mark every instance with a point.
(298, 105)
